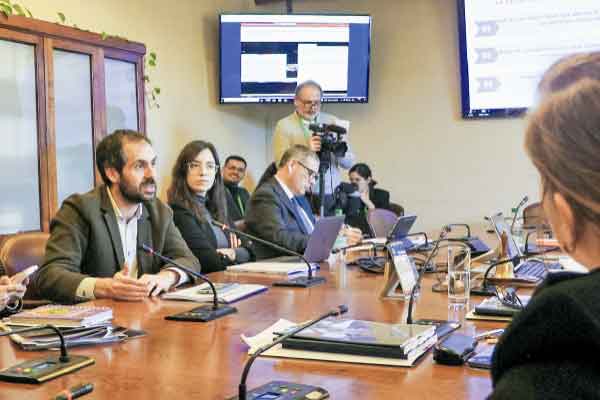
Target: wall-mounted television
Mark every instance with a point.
(506, 45)
(263, 57)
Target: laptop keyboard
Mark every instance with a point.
(536, 268)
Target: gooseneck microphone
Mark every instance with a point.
(521, 204)
(342, 309)
(41, 370)
(444, 232)
(304, 282)
(204, 314)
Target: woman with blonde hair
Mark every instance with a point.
(551, 348)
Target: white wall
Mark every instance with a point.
(434, 163)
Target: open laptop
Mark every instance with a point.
(398, 233)
(530, 267)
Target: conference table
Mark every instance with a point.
(205, 360)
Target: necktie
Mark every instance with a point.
(304, 220)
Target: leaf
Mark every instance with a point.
(28, 13)
(18, 10)
(146, 78)
(157, 90)
(104, 35)
(153, 56)
(152, 63)
(6, 9)
(62, 17)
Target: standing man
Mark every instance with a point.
(294, 129)
(95, 238)
(234, 172)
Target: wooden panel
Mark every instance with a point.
(50, 128)
(141, 95)
(57, 31)
(98, 105)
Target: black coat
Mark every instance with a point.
(551, 349)
(201, 240)
(233, 208)
(354, 208)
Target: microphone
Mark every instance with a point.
(445, 230)
(74, 392)
(206, 313)
(43, 369)
(327, 128)
(521, 203)
(301, 281)
(242, 393)
(478, 247)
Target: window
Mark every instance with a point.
(61, 91)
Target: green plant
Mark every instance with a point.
(9, 8)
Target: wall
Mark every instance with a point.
(434, 163)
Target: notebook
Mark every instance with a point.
(226, 292)
(63, 316)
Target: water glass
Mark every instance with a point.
(459, 275)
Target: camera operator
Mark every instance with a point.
(295, 129)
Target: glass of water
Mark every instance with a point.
(459, 275)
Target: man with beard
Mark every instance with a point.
(95, 238)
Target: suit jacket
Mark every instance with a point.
(272, 216)
(288, 132)
(550, 350)
(235, 213)
(201, 240)
(85, 241)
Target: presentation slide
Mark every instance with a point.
(264, 57)
(510, 43)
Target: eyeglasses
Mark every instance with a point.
(508, 297)
(312, 174)
(194, 166)
(310, 103)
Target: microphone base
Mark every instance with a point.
(282, 390)
(301, 281)
(43, 369)
(203, 314)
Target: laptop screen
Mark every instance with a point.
(500, 226)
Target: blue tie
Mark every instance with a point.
(304, 220)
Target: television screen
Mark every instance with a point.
(264, 57)
(506, 45)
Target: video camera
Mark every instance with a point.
(331, 140)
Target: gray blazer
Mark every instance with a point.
(272, 216)
(85, 241)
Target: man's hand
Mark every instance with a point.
(353, 236)
(121, 287)
(161, 282)
(315, 143)
(227, 252)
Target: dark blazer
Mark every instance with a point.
(551, 349)
(201, 239)
(235, 213)
(85, 241)
(354, 209)
(272, 216)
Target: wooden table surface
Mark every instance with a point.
(204, 360)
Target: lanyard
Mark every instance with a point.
(307, 133)
(240, 204)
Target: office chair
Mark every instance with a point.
(397, 209)
(533, 217)
(21, 251)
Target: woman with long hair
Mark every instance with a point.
(197, 196)
(550, 350)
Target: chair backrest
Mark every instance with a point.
(381, 221)
(397, 209)
(22, 250)
(533, 216)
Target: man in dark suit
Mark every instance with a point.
(95, 238)
(278, 211)
(234, 172)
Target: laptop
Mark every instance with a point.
(398, 233)
(530, 267)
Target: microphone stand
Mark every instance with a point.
(521, 203)
(45, 368)
(301, 281)
(205, 313)
(242, 392)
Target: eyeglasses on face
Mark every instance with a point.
(310, 103)
(195, 166)
(312, 174)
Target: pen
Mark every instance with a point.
(74, 392)
(488, 334)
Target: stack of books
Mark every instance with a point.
(226, 292)
(63, 316)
